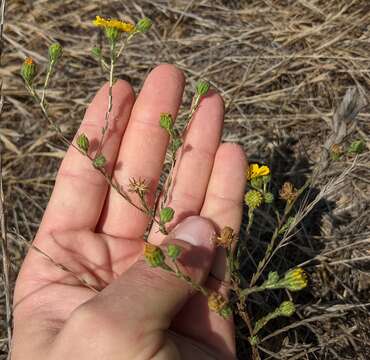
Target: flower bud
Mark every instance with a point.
(99, 161)
(28, 70)
(273, 278)
(153, 255)
(166, 215)
(166, 122)
(55, 52)
(269, 198)
(218, 304)
(253, 199)
(257, 182)
(202, 87)
(96, 52)
(266, 178)
(112, 34)
(144, 25)
(295, 279)
(226, 312)
(357, 147)
(173, 251)
(83, 142)
(286, 308)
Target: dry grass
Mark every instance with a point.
(282, 67)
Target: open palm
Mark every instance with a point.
(97, 236)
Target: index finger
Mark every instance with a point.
(80, 190)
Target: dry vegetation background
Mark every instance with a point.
(283, 67)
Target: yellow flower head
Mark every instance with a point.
(29, 61)
(113, 24)
(295, 279)
(255, 171)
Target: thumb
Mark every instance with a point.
(149, 298)
(153, 293)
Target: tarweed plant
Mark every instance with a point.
(118, 35)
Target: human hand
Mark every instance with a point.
(140, 312)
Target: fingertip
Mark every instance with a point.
(168, 72)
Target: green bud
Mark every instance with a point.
(96, 52)
(153, 255)
(99, 161)
(112, 34)
(55, 52)
(254, 340)
(83, 142)
(273, 277)
(266, 179)
(144, 25)
(28, 70)
(357, 147)
(286, 308)
(166, 215)
(269, 198)
(166, 122)
(202, 87)
(173, 251)
(253, 199)
(257, 182)
(226, 312)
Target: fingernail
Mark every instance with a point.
(195, 230)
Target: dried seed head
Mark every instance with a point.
(288, 192)
(226, 237)
(139, 186)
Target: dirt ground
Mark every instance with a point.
(283, 67)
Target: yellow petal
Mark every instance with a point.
(263, 170)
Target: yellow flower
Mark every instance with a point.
(255, 171)
(113, 24)
(295, 279)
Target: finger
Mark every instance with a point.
(223, 205)
(195, 162)
(80, 190)
(143, 149)
(224, 199)
(136, 310)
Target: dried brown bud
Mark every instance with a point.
(226, 237)
(288, 192)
